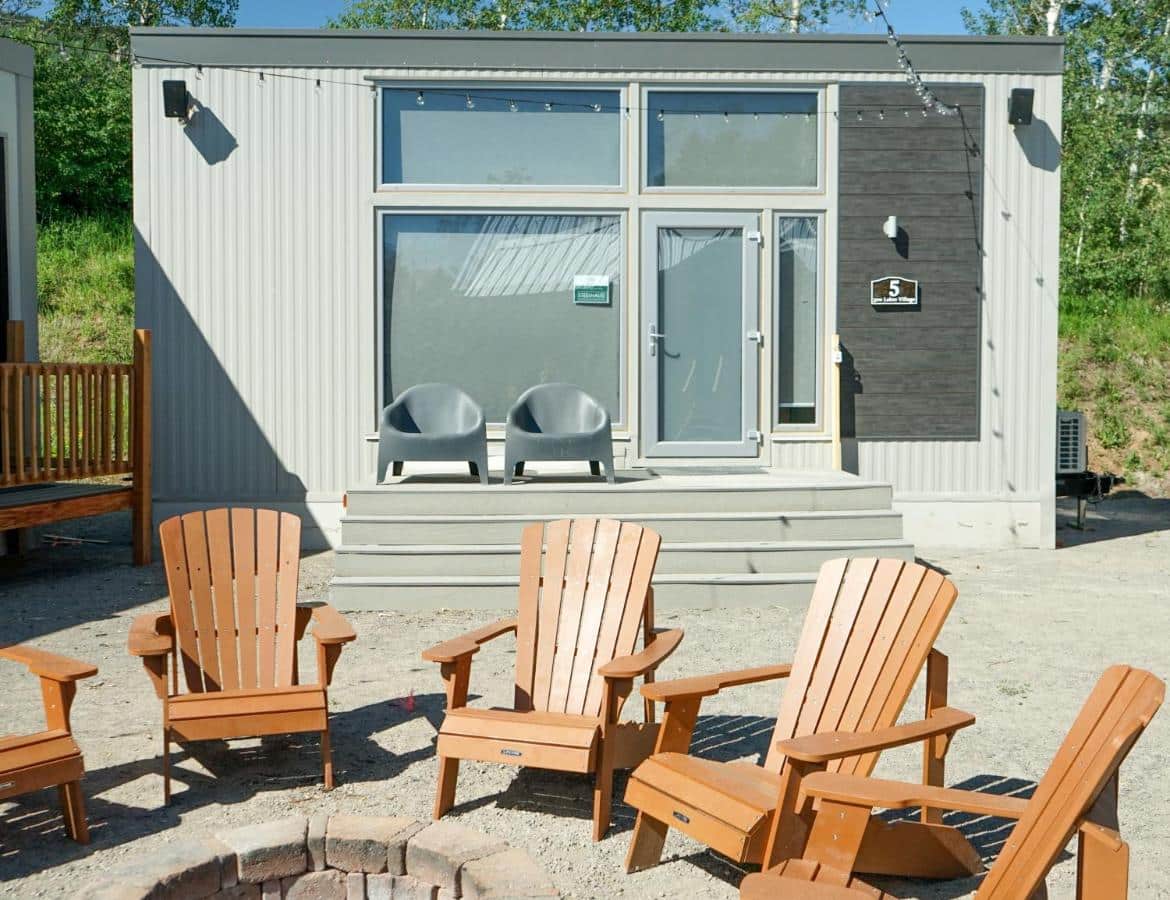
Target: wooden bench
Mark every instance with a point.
(67, 432)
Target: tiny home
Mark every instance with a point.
(758, 251)
(18, 227)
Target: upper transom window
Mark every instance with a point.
(501, 136)
(738, 139)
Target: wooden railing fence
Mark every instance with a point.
(71, 421)
(61, 421)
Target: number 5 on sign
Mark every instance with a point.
(893, 291)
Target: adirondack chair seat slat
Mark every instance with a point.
(584, 601)
(530, 727)
(34, 761)
(729, 806)
(298, 698)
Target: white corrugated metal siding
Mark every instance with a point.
(256, 270)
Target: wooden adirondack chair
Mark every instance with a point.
(29, 762)
(870, 627)
(234, 624)
(1078, 795)
(576, 631)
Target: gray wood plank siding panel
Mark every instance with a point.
(910, 373)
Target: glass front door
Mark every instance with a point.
(700, 334)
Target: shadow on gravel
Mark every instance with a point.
(224, 773)
(1123, 514)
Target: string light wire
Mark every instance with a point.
(263, 75)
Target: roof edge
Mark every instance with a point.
(611, 51)
(17, 58)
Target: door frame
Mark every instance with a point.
(749, 222)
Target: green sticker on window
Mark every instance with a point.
(591, 290)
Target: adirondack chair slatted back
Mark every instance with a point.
(583, 609)
(868, 630)
(232, 576)
(1112, 719)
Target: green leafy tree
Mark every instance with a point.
(546, 15)
(81, 102)
(794, 16)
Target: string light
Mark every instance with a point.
(660, 115)
(929, 100)
(548, 107)
(512, 107)
(419, 99)
(470, 102)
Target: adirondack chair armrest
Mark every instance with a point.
(330, 626)
(652, 656)
(151, 634)
(830, 745)
(708, 685)
(469, 643)
(52, 666)
(877, 793)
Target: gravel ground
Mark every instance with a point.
(1028, 636)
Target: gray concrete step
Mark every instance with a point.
(724, 558)
(647, 496)
(821, 525)
(698, 591)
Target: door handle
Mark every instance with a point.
(654, 337)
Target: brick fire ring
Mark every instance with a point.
(325, 857)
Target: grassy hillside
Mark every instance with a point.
(85, 280)
(1114, 365)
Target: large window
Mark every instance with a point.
(798, 332)
(763, 139)
(501, 136)
(498, 302)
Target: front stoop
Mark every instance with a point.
(728, 540)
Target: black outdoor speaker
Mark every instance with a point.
(175, 99)
(1020, 106)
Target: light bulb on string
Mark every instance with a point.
(881, 115)
(859, 116)
(199, 73)
(726, 119)
(512, 106)
(548, 106)
(660, 115)
(597, 107)
(470, 102)
(419, 99)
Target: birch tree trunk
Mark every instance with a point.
(794, 16)
(1139, 139)
(1053, 16)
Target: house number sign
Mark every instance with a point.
(893, 291)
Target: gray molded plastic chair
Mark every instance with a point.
(433, 422)
(557, 421)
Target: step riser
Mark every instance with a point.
(670, 562)
(794, 597)
(861, 527)
(498, 500)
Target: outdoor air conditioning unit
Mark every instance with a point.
(1072, 456)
